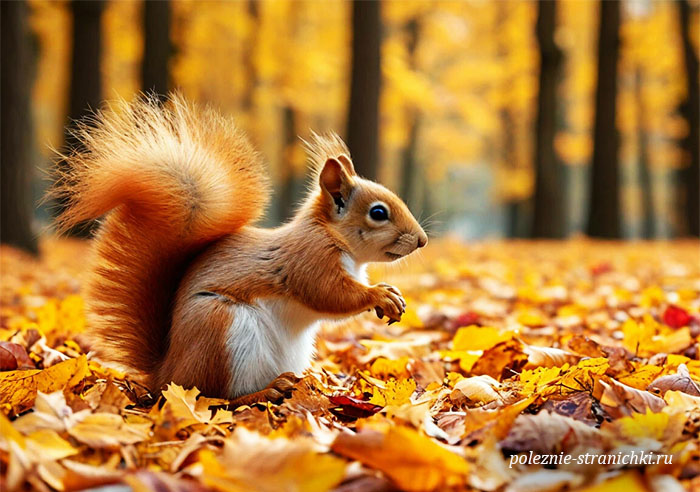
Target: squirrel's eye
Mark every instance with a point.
(379, 213)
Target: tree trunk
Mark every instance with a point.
(604, 203)
(248, 99)
(17, 208)
(363, 114)
(156, 47)
(85, 79)
(408, 172)
(645, 181)
(549, 210)
(690, 110)
(288, 178)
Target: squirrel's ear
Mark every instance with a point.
(347, 164)
(335, 181)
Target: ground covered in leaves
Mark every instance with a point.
(508, 351)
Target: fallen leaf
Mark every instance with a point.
(18, 389)
(680, 381)
(478, 389)
(548, 433)
(353, 407)
(411, 460)
(107, 430)
(13, 356)
(676, 317)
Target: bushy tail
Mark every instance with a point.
(169, 179)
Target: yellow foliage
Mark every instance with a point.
(478, 338)
(411, 460)
(18, 389)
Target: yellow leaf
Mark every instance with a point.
(250, 461)
(531, 380)
(393, 392)
(108, 430)
(47, 445)
(9, 433)
(637, 337)
(643, 425)
(183, 404)
(629, 482)
(652, 296)
(478, 338)
(413, 461)
(384, 368)
(18, 389)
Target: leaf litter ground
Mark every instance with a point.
(507, 351)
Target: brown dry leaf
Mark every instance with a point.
(501, 361)
(18, 389)
(493, 423)
(105, 396)
(548, 357)
(411, 460)
(548, 433)
(585, 346)
(625, 399)
(681, 381)
(13, 356)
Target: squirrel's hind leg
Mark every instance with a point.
(197, 354)
(281, 387)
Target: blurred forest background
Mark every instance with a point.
(491, 118)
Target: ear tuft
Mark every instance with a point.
(328, 146)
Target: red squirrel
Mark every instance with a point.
(184, 288)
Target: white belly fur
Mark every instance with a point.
(273, 336)
(268, 338)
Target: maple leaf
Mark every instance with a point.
(188, 411)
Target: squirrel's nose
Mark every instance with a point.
(422, 239)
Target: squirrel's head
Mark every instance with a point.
(374, 222)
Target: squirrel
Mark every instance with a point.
(185, 288)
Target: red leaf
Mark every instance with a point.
(353, 407)
(676, 317)
(13, 356)
(601, 268)
(466, 319)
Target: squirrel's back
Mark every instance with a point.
(168, 179)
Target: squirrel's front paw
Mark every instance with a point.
(388, 302)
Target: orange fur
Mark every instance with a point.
(171, 179)
(179, 267)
